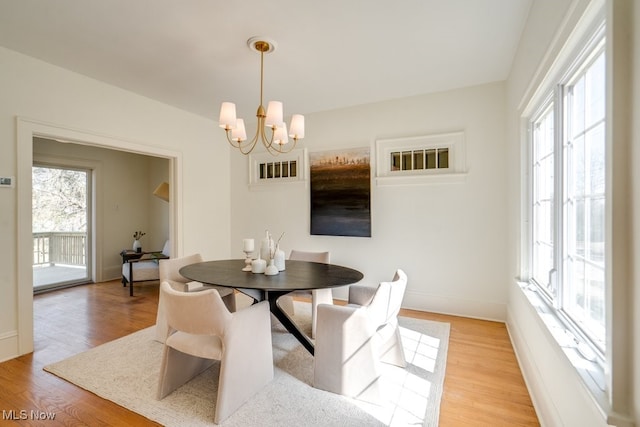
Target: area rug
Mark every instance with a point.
(125, 371)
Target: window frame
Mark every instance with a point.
(591, 349)
(596, 48)
(256, 159)
(548, 105)
(606, 386)
(454, 142)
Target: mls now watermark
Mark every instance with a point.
(23, 414)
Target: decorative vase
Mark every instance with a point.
(137, 246)
(266, 248)
(271, 270)
(278, 259)
(258, 265)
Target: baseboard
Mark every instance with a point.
(545, 410)
(475, 309)
(8, 345)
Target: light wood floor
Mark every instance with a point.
(483, 383)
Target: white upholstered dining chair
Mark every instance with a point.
(318, 296)
(352, 340)
(202, 331)
(169, 271)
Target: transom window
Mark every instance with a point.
(430, 158)
(267, 171)
(273, 170)
(426, 159)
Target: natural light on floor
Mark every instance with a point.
(406, 394)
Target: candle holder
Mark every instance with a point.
(247, 260)
(248, 245)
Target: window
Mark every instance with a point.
(567, 203)
(542, 209)
(584, 199)
(266, 170)
(431, 158)
(274, 170)
(421, 159)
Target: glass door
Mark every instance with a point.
(61, 226)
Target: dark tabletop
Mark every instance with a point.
(299, 275)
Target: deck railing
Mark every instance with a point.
(59, 248)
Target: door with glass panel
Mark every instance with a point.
(61, 226)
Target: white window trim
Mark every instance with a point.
(601, 381)
(257, 184)
(456, 172)
(591, 372)
(568, 68)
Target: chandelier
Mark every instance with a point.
(275, 141)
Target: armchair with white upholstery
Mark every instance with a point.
(352, 340)
(144, 268)
(170, 273)
(202, 331)
(318, 296)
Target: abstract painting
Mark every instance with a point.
(341, 192)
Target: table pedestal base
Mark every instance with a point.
(281, 315)
(287, 322)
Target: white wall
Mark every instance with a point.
(449, 238)
(158, 214)
(560, 395)
(55, 100)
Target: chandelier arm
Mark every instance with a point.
(234, 144)
(268, 142)
(261, 134)
(240, 145)
(295, 141)
(278, 149)
(248, 147)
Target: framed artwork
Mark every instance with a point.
(340, 192)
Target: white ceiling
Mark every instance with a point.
(330, 54)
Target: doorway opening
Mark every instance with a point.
(27, 131)
(61, 224)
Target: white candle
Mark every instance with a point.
(248, 245)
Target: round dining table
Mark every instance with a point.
(298, 275)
